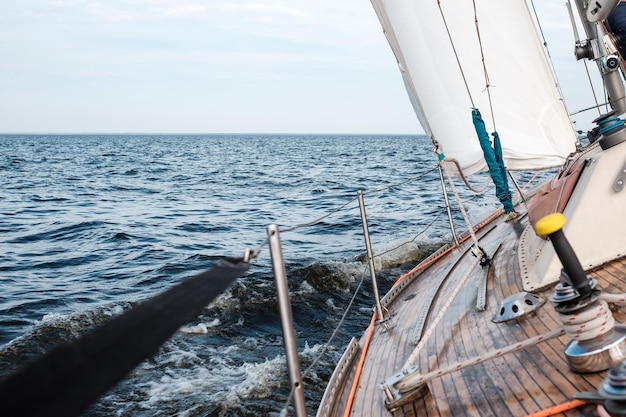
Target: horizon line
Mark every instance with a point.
(205, 133)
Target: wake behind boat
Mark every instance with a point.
(521, 315)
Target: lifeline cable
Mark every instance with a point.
(318, 358)
(341, 207)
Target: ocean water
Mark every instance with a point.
(90, 225)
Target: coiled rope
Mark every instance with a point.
(589, 323)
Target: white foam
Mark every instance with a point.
(306, 288)
(200, 328)
(115, 310)
(219, 382)
(396, 253)
(52, 317)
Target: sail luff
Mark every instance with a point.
(532, 121)
(408, 82)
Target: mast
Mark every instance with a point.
(595, 48)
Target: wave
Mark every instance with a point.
(99, 223)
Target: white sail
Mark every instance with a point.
(529, 114)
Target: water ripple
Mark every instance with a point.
(90, 224)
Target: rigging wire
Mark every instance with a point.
(549, 55)
(319, 219)
(412, 240)
(357, 290)
(389, 187)
(336, 210)
(456, 55)
(577, 38)
(255, 253)
(251, 254)
(458, 61)
(485, 72)
(319, 356)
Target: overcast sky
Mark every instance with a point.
(210, 66)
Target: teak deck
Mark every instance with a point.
(516, 384)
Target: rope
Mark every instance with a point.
(602, 411)
(616, 122)
(464, 178)
(460, 203)
(589, 323)
(585, 325)
(418, 177)
(255, 253)
(617, 299)
(431, 329)
(339, 325)
(415, 380)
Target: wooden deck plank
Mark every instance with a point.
(502, 387)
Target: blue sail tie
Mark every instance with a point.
(495, 161)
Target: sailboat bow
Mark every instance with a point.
(537, 328)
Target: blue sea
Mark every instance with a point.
(91, 225)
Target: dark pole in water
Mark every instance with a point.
(73, 376)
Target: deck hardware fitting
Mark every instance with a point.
(618, 185)
(611, 393)
(517, 305)
(596, 343)
(480, 253)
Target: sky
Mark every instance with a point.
(211, 66)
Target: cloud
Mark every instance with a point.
(132, 64)
(252, 63)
